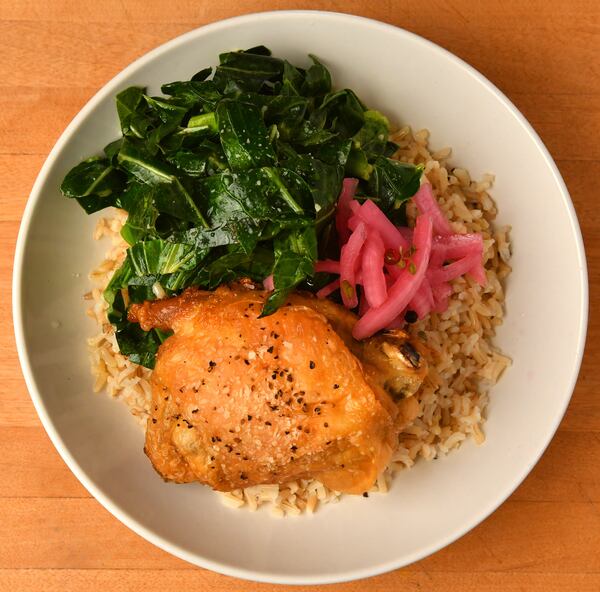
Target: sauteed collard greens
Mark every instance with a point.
(233, 176)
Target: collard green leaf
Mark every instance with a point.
(111, 150)
(345, 111)
(248, 70)
(235, 264)
(117, 309)
(167, 110)
(244, 136)
(358, 164)
(94, 183)
(204, 239)
(158, 257)
(324, 181)
(372, 137)
(138, 345)
(292, 79)
(138, 201)
(224, 269)
(133, 112)
(201, 75)
(259, 50)
(317, 80)
(295, 256)
(335, 152)
(194, 93)
(172, 197)
(310, 134)
(393, 182)
(205, 122)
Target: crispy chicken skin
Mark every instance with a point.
(239, 400)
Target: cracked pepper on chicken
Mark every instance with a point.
(240, 400)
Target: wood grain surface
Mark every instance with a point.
(54, 55)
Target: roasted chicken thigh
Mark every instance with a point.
(240, 400)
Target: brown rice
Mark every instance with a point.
(463, 362)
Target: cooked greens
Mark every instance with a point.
(234, 176)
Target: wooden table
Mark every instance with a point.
(55, 55)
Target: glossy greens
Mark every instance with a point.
(233, 176)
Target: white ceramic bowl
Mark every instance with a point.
(413, 81)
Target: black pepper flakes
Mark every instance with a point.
(154, 420)
(290, 378)
(318, 410)
(243, 476)
(411, 316)
(249, 418)
(336, 386)
(325, 425)
(247, 362)
(365, 494)
(270, 349)
(311, 365)
(268, 423)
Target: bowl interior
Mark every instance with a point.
(413, 82)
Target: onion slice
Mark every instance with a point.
(373, 278)
(405, 286)
(343, 210)
(349, 263)
(427, 204)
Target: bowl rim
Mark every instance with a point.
(35, 394)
